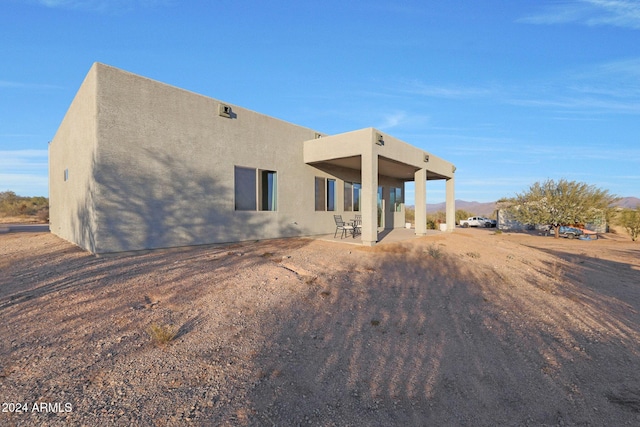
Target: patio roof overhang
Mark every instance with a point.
(396, 158)
(386, 167)
(376, 154)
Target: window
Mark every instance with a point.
(352, 196)
(268, 190)
(325, 194)
(66, 174)
(392, 199)
(380, 209)
(331, 194)
(356, 196)
(245, 189)
(320, 194)
(255, 189)
(348, 196)
(395, 199)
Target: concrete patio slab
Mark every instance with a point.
(384, 236)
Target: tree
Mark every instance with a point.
(13, 205)
(561, 203)
(630, 220)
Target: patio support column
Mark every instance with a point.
(369, 208)
(450, 204)
(420, 178)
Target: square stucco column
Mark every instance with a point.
(420, 178)
(369, 206)
(451, 204)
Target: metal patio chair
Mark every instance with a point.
(343, 227)
(357, 225)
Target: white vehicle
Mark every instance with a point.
(475, 221)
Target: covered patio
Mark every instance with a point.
(376, 157)
(394, 235)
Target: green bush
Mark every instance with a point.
(630, 220)
(13, 205)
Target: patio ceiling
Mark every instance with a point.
(386, 167)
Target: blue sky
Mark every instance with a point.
(511, 92)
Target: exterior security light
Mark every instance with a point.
(224, 110)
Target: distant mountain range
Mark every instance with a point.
(488, 208)
(628, 202)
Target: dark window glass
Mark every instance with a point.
(245, 189)
(268, 190)
(356, 197)
(331, 194)
(348, 196)
(320, 200)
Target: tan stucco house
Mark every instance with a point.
(137, 164)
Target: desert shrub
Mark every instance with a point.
(560, 202)
(13, 205)
(161, 334)
(43, 214)
(434, 251)
(630, 220)
(410, 214)
(435, 219)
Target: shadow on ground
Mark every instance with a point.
(418, 338)
(399, 334)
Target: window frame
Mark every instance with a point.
(268, 187)
(260, 192)
(325, 194)
(352, 194)
(395, 199)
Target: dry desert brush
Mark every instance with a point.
(162, 334)
(434, 251)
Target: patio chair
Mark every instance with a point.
(340, 225)
(357, 225)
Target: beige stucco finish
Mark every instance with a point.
(72, 214)
(152, 166)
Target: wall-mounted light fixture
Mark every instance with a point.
(379, 139)
(318, 136)
(453, 169)
(426, 158)
(224, 110)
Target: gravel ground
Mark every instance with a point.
(471, 328)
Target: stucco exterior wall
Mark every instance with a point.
(73, 149)
(165, 175)
(152, 166)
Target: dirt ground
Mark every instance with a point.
(21, 220)
(471, 328)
